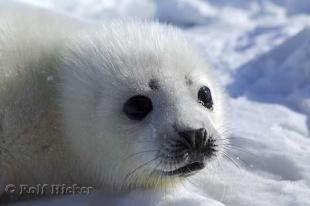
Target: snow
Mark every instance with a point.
(261, 51)
(291, 60)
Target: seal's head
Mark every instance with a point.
(140, 104)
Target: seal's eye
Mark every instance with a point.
(205, 97)
(138, 107)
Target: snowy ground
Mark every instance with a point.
(261, 52)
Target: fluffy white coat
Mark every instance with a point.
(62, 90)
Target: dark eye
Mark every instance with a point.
(137, 107)
(205, 98)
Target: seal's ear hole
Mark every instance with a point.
(205, 97)
(137, 107)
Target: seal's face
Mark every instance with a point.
(141, 106)
(188, 144)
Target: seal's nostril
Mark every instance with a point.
(194, 138)
(200, 137)
(188, 138)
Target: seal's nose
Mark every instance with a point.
(194, 139)
(191, 148)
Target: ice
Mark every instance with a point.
(260, 49)
(280, 76)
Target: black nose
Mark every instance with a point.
(194, 139)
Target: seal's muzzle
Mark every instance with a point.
(190, 149)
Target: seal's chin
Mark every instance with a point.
(186, 170)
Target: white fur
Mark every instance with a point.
(62, 92)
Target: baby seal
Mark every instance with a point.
(118, 106)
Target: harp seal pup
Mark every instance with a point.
(117, 106)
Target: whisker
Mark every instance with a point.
(232, 160)
(142, 152)
(239, 149)
(139, 167)
(242, 160)
(155, 170)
